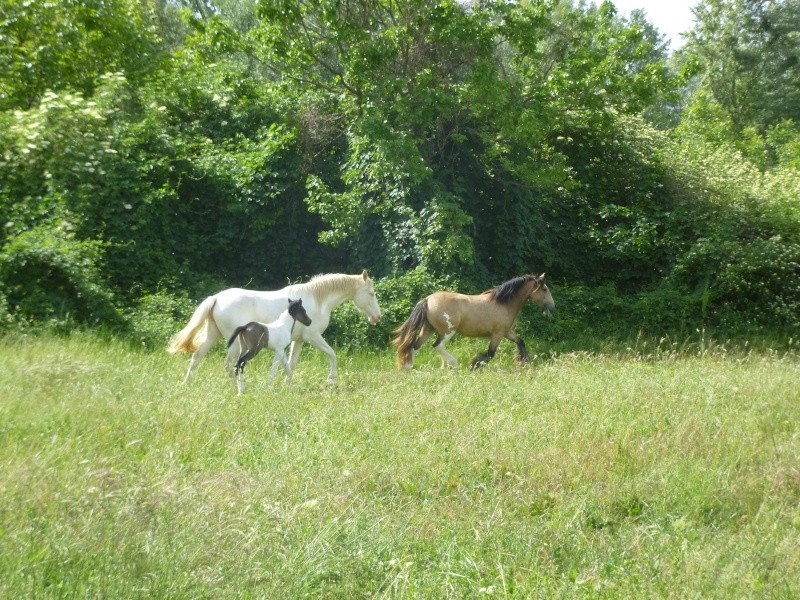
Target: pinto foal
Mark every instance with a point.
(256, 336)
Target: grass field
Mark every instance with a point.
(669, 472)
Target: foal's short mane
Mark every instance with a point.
(503, 293)
(322, 285)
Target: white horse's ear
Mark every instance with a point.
(364, 275)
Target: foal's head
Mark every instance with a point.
(540, 294)
(297, 312)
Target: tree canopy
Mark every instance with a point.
(155, 149)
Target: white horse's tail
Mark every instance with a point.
(190, 337)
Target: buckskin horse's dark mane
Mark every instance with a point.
(503, 293)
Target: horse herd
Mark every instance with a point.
(253, 320)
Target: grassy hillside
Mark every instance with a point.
(648, 473)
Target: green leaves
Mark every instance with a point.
(268, 140)
(747, 54)
(47, 275)
(68, 45)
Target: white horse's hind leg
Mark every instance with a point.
(447, 358)
(276, 362)
(234, 352)
(212, 336)
(240, 382)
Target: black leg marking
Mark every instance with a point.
(522, 352)
(484, 357)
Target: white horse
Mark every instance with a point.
(254, 337)
(219, 315)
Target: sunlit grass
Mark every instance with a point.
(662, 470)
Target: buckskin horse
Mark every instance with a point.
(491, 314)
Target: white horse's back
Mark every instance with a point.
(236, 306)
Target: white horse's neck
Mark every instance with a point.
(331, 291)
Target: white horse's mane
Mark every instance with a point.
(327, 283)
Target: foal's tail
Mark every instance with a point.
(407, 332)
(190, 337)
(236, 333)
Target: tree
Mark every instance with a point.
(748, 54)
(69, 44)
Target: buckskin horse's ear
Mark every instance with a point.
(541, 276)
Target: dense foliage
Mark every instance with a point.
(153, 152)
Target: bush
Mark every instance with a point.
(157, 317)
(6, 318)
(50, 278)
(759, 287)
(668, 310)
(397, 296)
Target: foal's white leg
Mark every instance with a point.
(286, 367)
(240, 382)
(447, 358)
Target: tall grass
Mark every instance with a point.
(664, 471)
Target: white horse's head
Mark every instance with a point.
(366, 301)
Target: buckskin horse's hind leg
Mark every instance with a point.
(447, 358)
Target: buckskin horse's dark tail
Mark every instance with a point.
(407, 333)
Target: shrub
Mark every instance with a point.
(158, 316)
(50, 278)
(668, 310)
(396, 297)
(760, 286)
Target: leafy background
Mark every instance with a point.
(153, 152)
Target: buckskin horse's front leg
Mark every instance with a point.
(522, 352)
(484, 357)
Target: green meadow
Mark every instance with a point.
(656, 471)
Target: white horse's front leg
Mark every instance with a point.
(320, 343)
(294, 353)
